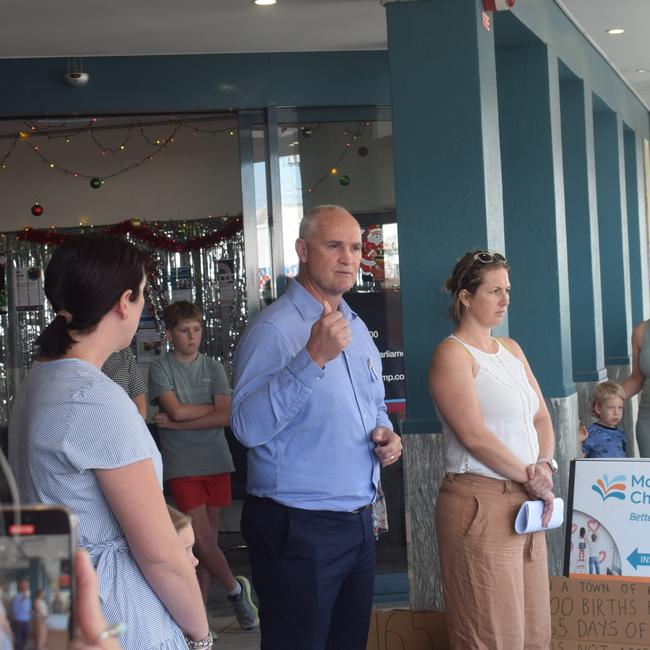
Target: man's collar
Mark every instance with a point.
(308, 307)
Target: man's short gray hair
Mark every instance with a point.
(307, 222)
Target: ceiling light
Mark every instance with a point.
(641, 70)
(264, 3)
(615, 30)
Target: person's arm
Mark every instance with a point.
(583, 436)
(137, 385)
(180, 412)
(541, 419)
(140, 402)
(218, 417)
(134, 496)
(5, 626)
(388, 445)
(272, 383)
(451, 382)
(635, 382)
(89, 616)
(540, 476)
(162, 391)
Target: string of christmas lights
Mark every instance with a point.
(97, 180)
(344, 179)
(159, 144)
(8, 153)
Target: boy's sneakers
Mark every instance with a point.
(244, 607)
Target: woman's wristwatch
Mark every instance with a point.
(551, 462)
(201, 644)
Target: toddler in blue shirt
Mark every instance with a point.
(604, 438)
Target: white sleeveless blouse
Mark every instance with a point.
(508, 405)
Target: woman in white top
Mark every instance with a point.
(498, 441)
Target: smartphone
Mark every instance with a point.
(37, 546)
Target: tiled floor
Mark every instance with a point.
(220, 614)
(231, 636)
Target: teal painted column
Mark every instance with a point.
(582, 231)
(533, 190)
(447, 167)
(612, 225)
(636, 224)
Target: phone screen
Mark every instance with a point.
(36, 576)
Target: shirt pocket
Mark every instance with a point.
(365, 378)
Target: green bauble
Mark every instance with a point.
(96, 183)
(344, 179)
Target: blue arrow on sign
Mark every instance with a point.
(637, 559)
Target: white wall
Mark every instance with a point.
(197, 175)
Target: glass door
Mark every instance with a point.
(343, 157)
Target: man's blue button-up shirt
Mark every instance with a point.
(308, 429)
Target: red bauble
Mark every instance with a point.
(363, 151)
(37, 210)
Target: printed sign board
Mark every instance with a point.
(608, 525)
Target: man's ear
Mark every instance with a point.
(301, 249)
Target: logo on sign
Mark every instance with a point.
(610, 488)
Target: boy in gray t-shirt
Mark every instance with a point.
(194, 397)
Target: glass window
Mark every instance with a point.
(350, 163)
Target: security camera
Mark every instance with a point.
(76, 79)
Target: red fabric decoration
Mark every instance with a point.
(497, 5)
(142, 232)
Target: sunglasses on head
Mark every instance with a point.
(485, 257)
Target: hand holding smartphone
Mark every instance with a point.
(38, 553)
(37, 546)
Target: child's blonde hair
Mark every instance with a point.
(179, 519)
(606, 390)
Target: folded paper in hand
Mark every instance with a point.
(529, 517)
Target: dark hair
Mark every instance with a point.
(468, 274)
(182, 310)
(84, 279)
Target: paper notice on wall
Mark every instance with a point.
(28, 288)
(148, 345)
(181, 282)
(226, 274)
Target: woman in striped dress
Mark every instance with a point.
(77, 439)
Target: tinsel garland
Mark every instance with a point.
(143, 232)
(224, 315)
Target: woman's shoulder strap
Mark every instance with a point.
(502, 341)
(451, 337)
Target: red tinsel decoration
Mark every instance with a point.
(142, 232)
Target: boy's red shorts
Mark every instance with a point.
(190, 492)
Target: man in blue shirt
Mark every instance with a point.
(21, 613)
(309, 405)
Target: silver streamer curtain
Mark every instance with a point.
(221, 298)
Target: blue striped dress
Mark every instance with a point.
(68, 419)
